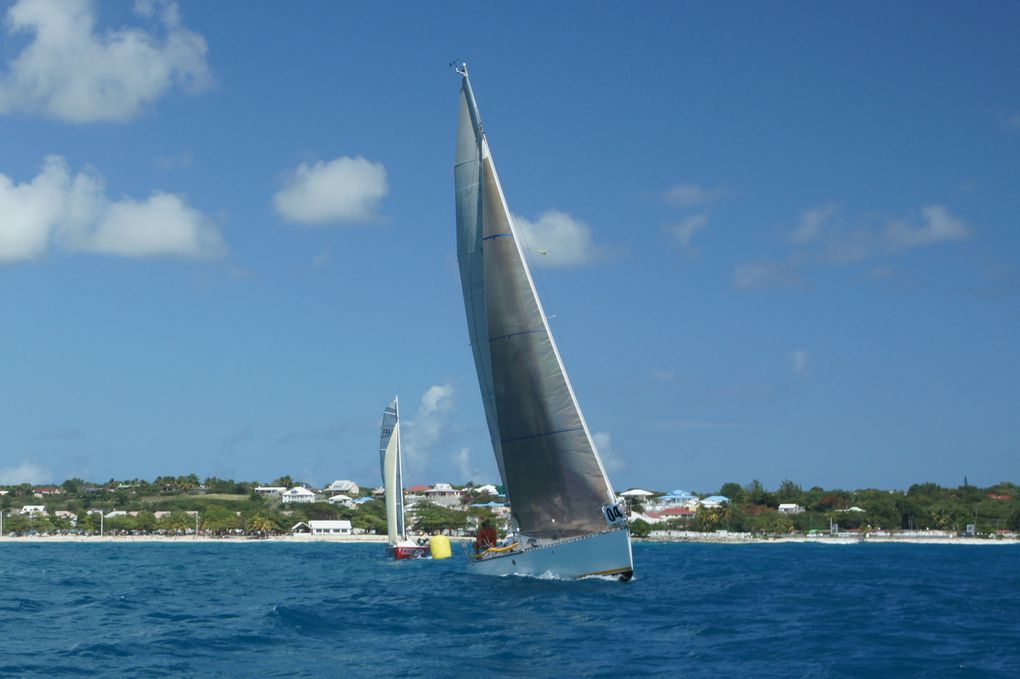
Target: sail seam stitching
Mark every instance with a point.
(535, 436)
(515, 334)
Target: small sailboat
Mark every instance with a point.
(565, 519)
(393, 483)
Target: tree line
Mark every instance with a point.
(923, 506)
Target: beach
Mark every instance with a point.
(714, 538)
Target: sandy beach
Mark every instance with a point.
(731, 539)
(236, 539)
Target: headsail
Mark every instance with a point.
(392, 474)
(553, 476)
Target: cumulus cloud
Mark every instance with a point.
(684, 231)
(799, 360)
(936, 226)
(611, 459)
(558, 240)
(430, 423)
(342, 190)
(664, 375)
(468, 471)
(71, 72)
(72, 212)
(690, 195)
(26, 472)
(812, 224)
(822, 237)
(768, 274)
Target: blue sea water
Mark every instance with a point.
(335, 609)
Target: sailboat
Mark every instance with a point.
(399, 546)
(565, 520)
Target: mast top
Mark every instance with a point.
(460, 68)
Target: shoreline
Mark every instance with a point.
(236, 539)
(882, 539)
(382, 539)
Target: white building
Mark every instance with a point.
(342, 500)
(297, 495)
(270, 490)
(342, 527)
(639, 493)
(33, 510)
(790, 508)
(487, 489)
(70, 516)
(345, 487)
(444, 495)
(673, 499)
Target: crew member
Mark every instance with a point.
(486, 537)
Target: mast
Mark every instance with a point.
(401, 527)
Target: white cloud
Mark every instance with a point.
(73, 213)
(557, 240)
(70, 72)
(467, 470)
(664, 375)
(429, 425)
(937, 226)
(812, 224)
(26, 472)
(799, 359)
(611, 460)
(343, 190)
(768, 273)
(684, 231)
(322, 258)
(690, 195)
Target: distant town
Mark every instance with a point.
(187, 506)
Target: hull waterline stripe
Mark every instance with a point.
(615, 571)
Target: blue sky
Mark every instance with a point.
(781, 239)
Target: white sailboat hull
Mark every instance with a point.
(605, 553)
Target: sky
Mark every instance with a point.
(776, 240)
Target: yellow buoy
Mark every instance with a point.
(439, 545)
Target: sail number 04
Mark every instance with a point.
(615, 516)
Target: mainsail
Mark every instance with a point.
(393, 477)
(552, 473)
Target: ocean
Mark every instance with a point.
(323, 609)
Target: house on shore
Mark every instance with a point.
(444, 495)
(314, 527)
(297, 495)
(270, 490)
(343, 487)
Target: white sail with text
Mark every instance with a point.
(392, 474)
